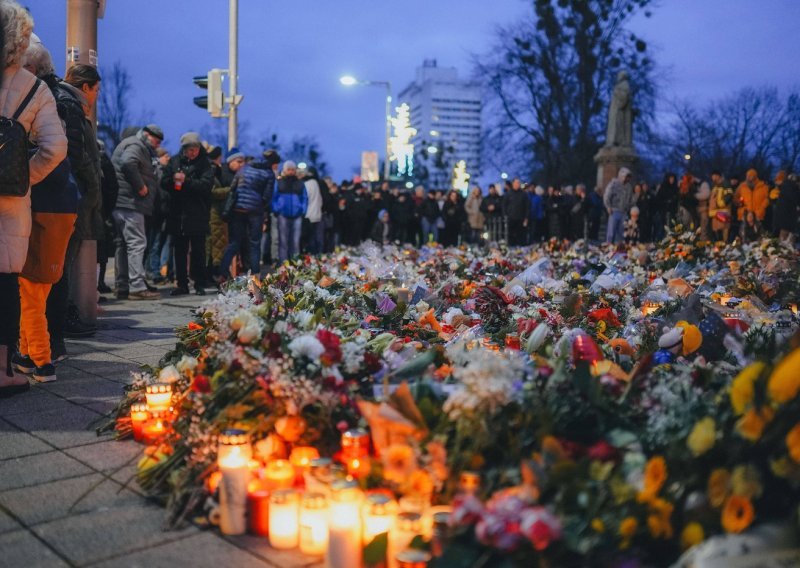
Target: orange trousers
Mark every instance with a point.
(34, 339)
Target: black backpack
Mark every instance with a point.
(14, 166)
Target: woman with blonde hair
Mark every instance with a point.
(475, 218)
(26, 97)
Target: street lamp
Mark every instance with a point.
(349, 81)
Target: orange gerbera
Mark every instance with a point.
(718, 486)
(793, 443)
(752, 424)
(655, 474)
(737, 514)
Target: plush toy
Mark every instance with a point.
(670, 344)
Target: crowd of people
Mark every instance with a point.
(202, 216)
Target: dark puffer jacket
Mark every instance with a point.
(255, 184)
(189, 207)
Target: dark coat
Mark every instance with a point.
(190, 207)
(133, 161)
(786, 207)
(429, 209)
(516, 205)
(495, 200)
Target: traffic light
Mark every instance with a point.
(214, 101)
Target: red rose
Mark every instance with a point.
(602, 451)
(372, 362)
(331, 342)
(604, 314)
(526, 326)
(201, 384)
(540, 535)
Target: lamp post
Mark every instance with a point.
(349, 81)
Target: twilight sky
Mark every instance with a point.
(292, 52)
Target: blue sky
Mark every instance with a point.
(292, 53)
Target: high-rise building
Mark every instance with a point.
(446, 112)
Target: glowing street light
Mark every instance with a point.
(432, 149)
(504, 175)
(350, 81)
(687, 157)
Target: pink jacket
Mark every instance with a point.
(41, 120)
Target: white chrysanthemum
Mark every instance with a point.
(353, 355)
(307, 346)
(187, 364)
(169, 374)
(302, 318)
(251, 332)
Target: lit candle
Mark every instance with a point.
(650, 308)
(301, 457)
(314, 524)
(793, 307)
(279, 474)
(379, 512)
(355, 452)
(233, 457)
(512, 341)
(153, 430)
(429, 518)
(284, 514)
(406, 527)
(441, 531)
(344, 545)
(413, 559)
(258, 508)
(403, 295)
(159, 396)
(139, 416)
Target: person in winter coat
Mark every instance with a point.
(553, 207)
(54, 204)
(289, 203)
(313, 217)
(109, 187)
(401, 213)
(355, 214)
(516, 207)
(617, 199)
(719, 207)
(133, 162)
(430, 217)
(217, 239)
(645, 205)
(253, 185)
(594, 214)
(536, 215)
(475, 217)
(381, 231)
(332, 217)
(188, 178)
(666, 204)
(578, 212)
(453, 215)
(752, 195)
(39, 117)
(786, 205)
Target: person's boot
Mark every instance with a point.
(11, 383)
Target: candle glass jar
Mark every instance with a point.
(284, 519)
(355, 451)
(413, 559)
(405, 528)
(344, 544)
(159, 397)
(232, 445)
(379, 512)
(139, 416)
(301, 458)
(279, 474)
(314, 524)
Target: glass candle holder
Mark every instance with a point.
(154, 429)
(233, 458)
(413, 559)
(279, 474)
(405, 528)
(159, 397)
(284, 515)
(314, 524)
(257, 509)
(355, 452)
(301, 458)
(378, 515)
(139, 416)
(344, 545)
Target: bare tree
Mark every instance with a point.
(549, 79)
(114, 107)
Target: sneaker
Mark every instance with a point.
(45, 373)
(23, 363)
(144, 295)
(58, 350)
(179, 291)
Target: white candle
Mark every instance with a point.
(314, 524)
(233, 457)
(379, 513)
(344, 544)
(284, 512)
(159, 396)
(403, 295)
(406, 527)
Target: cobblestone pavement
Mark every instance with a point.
(50, 455)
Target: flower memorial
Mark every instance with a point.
(569, 405)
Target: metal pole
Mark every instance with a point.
(387, 148)
(233, 69)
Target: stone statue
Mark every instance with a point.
(620, 114)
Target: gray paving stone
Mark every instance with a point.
(38, 399)
(21, 548)
(107, 456)
(57, 499)
(16, 444)
(62, 427)
(204, 550)
(7, 524)
(259, 546)
(86, 389)
(41, 468)
(99, 535)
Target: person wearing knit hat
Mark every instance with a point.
(382, 229)
(189, 179)
(235, 155)
(290, 204)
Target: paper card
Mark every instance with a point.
(419, 294)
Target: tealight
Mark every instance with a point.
(139, 416)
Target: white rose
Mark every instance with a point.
(169, 374)
(187, 364)
(250, 332)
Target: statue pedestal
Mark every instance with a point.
(610, 159)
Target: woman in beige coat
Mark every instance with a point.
(40, 120)
(475, 218)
